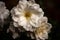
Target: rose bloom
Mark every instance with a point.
(4, 13)
(27, 15)
(42, 31)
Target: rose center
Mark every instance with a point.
(27, 14)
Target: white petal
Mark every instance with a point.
(29, 27)
(15, 24)
(49, 26)
(15, 18)
(33, 24)
(17, 12)
(22, 4)
(35, 6)
(22, 21)
(44, 36)
(34, 20)
(43, 19)
(40, 10)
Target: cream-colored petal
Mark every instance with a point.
(22, 21)
(34, 20)
(43, 20)
(48, 27)
(35, 6)
(22, 4)
(15, 19)
(43, 36)
(17, 12)
(29, 27)
(15, 24)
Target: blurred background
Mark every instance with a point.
(52, 11)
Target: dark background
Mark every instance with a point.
(52, 11)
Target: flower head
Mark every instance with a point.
(42, 31)
(27, 14)
(4, 13)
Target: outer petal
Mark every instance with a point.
(34, 20)
(15, 18)
(44, 20)
(28, 27)
(35, 6)
(36, 10)
(15, 14)
(15, 24)
(22, 4)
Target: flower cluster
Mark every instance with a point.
(29, 16)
